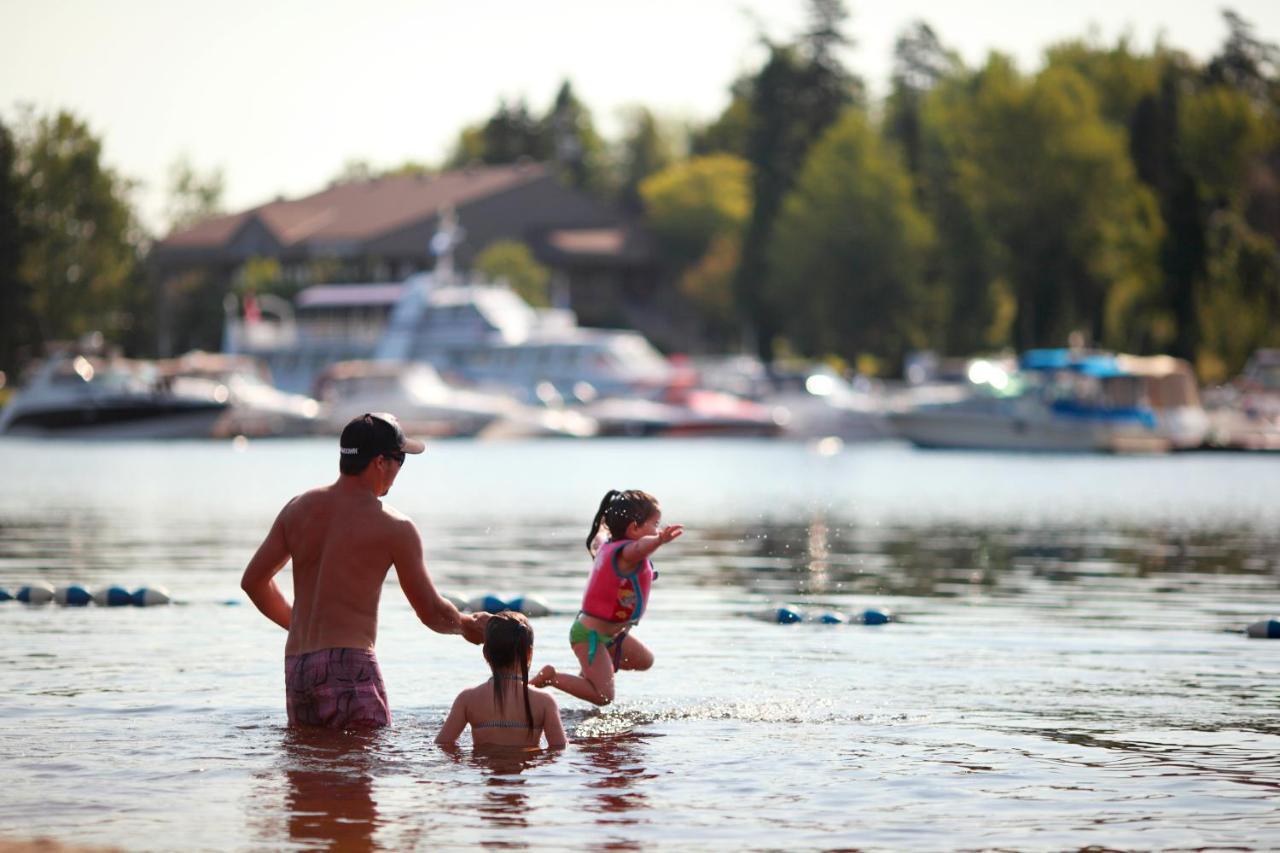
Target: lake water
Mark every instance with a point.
(1066, 668)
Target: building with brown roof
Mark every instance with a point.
(604, 265)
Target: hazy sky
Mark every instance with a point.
(279, 94)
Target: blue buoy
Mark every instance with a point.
(488, 604)
(5, 596)
(1267, 629)
(149, 596)
(72, 595)
(36, 593)
(113, 596)
(788, 615)
(874, 617)
(832, 618)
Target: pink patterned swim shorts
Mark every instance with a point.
(335, 688)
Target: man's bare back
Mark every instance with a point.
(342, 540)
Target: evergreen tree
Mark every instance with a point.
(798, 93)
(16, 328)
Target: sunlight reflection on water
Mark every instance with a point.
(1066, 668)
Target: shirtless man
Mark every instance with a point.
(342, 541)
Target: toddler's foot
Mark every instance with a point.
(545, 677)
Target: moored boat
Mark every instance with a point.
(1068, 401)
(76, 394)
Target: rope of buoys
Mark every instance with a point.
(529, 605)
(790, 614)
(75, 595)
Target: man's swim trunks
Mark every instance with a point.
(335, 688)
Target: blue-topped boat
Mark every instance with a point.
(1068, 400)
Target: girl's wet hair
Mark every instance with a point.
(619, 509)
(508, 637)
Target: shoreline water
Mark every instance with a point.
(1061, 675)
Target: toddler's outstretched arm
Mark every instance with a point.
(639, 550)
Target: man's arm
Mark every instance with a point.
(434, 610)
(259, 576)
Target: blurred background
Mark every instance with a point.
(887, 196)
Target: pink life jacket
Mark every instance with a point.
(613, 595)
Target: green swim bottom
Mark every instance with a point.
(579, 633)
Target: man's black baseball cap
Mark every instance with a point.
(374, 434)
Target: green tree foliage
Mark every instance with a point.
(15, 292)
(698, 209)
(1238, 306)
(81, 259)
(1053, 187)
(848, 249)
(798, 93)
(575, 144)
(513, 262)
(690, 204)
(566, 135)
(646, 148)
(193, 197)
(730, 132)
(920, 63)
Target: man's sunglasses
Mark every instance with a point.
(397, 455)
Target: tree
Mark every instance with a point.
(574, 143)
(691, 203)
(1240, 300)
(15, 292)
(731, 130)
(81, 261)
(920, 63)
(848, 249)
(193, 197)
(698, 209)
(798, 93)
(1246, 63)
(513, 262)
(1052, 185)
(645, 150)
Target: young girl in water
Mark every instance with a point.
(629, 523)
(503, 711)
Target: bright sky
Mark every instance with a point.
(279, 94)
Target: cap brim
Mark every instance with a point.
(412, 445)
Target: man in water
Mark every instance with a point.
(342, 541)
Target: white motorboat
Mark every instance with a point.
(256, 408)
(81, 395)
(427, 405)
(816, 402)
(1061, 400)
(1245, 414)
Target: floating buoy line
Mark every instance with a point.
(75, 595)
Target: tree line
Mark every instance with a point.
(1125, 197)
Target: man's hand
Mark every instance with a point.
(473, 627)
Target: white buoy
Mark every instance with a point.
(454, 599)
(150, 596)
(531, 605)
(36, 593)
